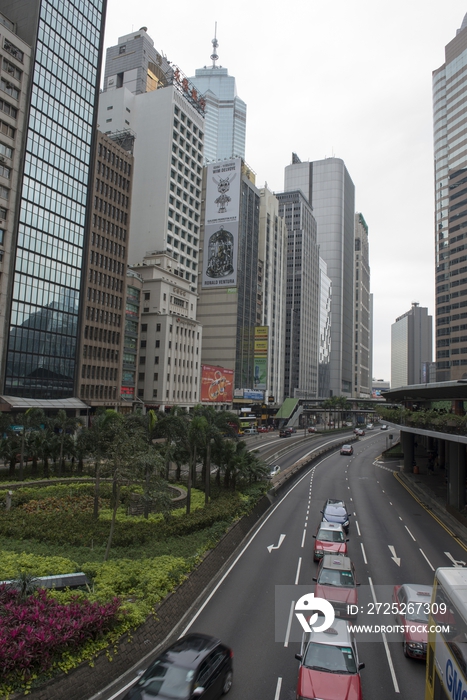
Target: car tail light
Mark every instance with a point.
(231, 653)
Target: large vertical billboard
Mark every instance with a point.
(261, 357)
(220, 248)
(216, 384)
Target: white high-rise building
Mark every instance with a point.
(147, 95)
(225, 122)
(327, 186)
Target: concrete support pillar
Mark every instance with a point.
(407, 442)
(456, 475)
(442, 454)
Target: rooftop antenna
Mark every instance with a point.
(215, 44)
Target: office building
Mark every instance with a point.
(105, 272)
(272, 253)
(131, 343)
(450, 153)
(168, 123)
(169, 355)
(302, 297)
(228, 300)
(225, 123)
(46, 202)
(324, 347)
(411, 347)
(327, 186)
(363, 312)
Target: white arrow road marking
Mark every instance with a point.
(276, 546)
(393, 552)
(455, 562)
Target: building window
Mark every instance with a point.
(156, 360)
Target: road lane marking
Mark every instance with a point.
(289, 624)
(409, 533)
(278, 688)
(276, 546)
(363, 552)
(388, 653)
(457, 563)
(243, 550)
(427, 560)
(358, 529)
(298, 570)
(303, 538)
(393, 552)
(391, 665)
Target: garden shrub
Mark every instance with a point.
(36, 632)
(11, 563)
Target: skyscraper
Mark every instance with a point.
(450, 152)
(331, 193)
(50, 184)
(147, 95)
(228, 302)
(411, 347)
(169, 126)
(363, 312)
(302, 297)
(225, 123)
(272, 251)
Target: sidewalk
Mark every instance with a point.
(431, 489)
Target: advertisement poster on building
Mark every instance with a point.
(216, 384)
(223, 180)
(220, 256)
(261, 357)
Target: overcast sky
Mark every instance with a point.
(349, 78)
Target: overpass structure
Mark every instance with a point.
(447, 445)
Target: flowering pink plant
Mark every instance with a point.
(36, 631)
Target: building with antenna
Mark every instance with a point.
(225, 123)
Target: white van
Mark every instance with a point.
(250, 431)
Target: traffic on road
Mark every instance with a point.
(384, 544)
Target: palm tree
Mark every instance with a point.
(63, 424)
(98, 439)
(173, 427)
(218, 424)
(30, 420)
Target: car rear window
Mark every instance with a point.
(326, 657)
(330, 536)
(331, 577)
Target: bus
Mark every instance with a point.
(446, 663)
(247, 422)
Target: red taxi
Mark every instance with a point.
(329, 539)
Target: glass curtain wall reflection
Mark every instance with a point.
(42, 342)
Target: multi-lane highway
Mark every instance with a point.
(393, 540)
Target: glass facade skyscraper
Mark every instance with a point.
(450, 151)
(225, 122)
(39, 357)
